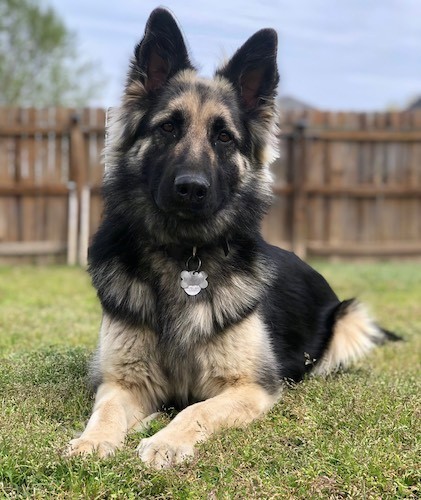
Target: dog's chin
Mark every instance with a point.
(187, 215)
(185, 227)
(191, 216)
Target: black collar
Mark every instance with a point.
(183, 252)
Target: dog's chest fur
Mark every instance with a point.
(188, 347)
(135, 357)
(153, 296)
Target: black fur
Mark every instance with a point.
(199, 310)
(148, 233)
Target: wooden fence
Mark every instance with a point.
(50, 177)
(347, 184)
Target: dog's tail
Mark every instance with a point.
(354, 334)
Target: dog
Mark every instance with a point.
(198, 310)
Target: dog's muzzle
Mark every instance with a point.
(188, 195)
(191, 193)
(191, 190)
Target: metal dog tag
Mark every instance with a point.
(192, 282)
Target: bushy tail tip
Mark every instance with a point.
(354, 334)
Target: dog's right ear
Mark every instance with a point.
(161, 53)
(253, 70)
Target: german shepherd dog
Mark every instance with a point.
(198, 310)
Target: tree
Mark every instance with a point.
(39, 63)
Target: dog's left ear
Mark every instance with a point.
(161, 53)
(253, 70)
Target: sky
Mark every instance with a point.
(360, 55)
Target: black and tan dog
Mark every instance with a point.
(199, 311)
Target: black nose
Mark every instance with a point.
(191, 188)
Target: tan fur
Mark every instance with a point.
(195, 142)
(235, 406)
(136, 382)
(197, 112)
(210, 354)
(116, 410)
(354, 335)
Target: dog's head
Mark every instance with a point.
(188, 157)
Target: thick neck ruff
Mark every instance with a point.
(193, 278)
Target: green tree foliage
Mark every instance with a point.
(39, 61)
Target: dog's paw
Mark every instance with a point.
(82, 446)
(161, 453)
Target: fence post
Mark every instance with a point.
(84, 225)
(299, 216)
(72, 222)
(77, 155)
(78, 166)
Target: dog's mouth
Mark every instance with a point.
(188, 212)
(182, 214)
(191, 215)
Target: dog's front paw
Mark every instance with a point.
(162, 453)
(82, 446)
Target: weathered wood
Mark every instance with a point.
(365, 191)
(47, 190)
(361, 135)
(32, 130)
(84, 226)
(346, 185)
(78, 161)
(299, 217)
(392, 249)
(283, 189)
(363, 180)
(30, 248)
(72, 226)
(35, 168)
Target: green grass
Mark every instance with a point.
(353, 435)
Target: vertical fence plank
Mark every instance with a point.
(316, 175)
(85, 204)
(277, 223)
(72, 225)
(78, 164)
(299, 216)
(336, 174)
(416, 174)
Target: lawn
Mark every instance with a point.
(353, 435)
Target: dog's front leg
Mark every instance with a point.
(235, 406)
(117, 409)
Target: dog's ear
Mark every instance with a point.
(161, 53)
(253, 70)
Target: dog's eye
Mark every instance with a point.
(224, 137)
(167, 127)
